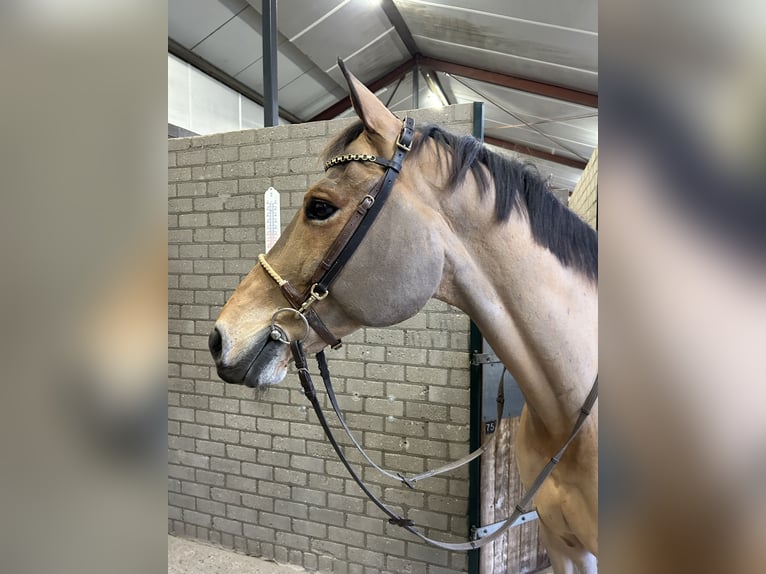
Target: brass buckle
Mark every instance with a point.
(313, 298)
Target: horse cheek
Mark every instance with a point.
(390, 281)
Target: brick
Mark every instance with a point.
(384, 407)
(427, 375)
(366, 557)
(179, 236)
(426, 411)
(384, 337)
(242, 483)
(229, 436)
(242, 514)
(180, 205)
(272, 167)
(206, 172)
(288, 476)
(209, 387)
(197, 518)
(192, 188)
(239, 169)
(332, 548)
(180, 472)
(225, 525)
(208, 235)
(239, 234)
(178, 143)
(209, 203)
(403, 355)
(192, 459)
(255, 152)
(210, 448)
(240, 202)
(237, 138)
(240, 422)
(450, 359)
(224, 251)
(258, 502)
(384, 371)
(210, 418)
(211, 507)
(195, 431)
(450, 396)
(222, 154)
(440, 431)
(224, 281)
(406, 392)
(190, 157)
(181, 501)
(179, 174)
(274, 521)
(180, 414)
(293, 540)
(343, 502)
(259, 533)
(272, 458)
(224, 219)
(290, 183)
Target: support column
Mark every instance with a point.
(415, 87)
(270, 83)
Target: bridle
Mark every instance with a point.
(332, 263)
(344, 245)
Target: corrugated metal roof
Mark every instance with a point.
(470, 50)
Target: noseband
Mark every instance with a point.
(344, 245)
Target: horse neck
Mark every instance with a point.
(540, 317)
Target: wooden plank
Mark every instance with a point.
(519, 550)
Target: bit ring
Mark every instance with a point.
(279, 334)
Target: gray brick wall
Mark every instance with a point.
(253, 471)
(584, 200)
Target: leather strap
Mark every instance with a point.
(350, 236)
(365, 214)
(410, 481)
(310, 391)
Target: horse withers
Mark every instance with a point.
(465, 226)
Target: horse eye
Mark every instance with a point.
(319, 210)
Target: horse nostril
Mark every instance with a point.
(215, 343)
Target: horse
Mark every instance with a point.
(468, 227)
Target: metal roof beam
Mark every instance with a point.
(339, 107)
(535, 152)
(397, 21)
(513, 82)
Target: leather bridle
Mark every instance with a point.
(332, 263)
(345, 244)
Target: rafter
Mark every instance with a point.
(389, 78)
(513, 82)
(535, 152)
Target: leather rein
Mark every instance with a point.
(301, 303)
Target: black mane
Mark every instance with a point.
(517, 185)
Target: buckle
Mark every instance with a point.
(399, 144)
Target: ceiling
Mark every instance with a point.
(533, 62)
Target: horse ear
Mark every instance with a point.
(373, 113)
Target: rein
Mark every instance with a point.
(334, 260)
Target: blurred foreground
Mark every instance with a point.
(683, 285)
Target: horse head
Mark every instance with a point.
(390, 277)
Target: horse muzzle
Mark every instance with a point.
(263, 363)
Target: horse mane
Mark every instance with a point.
(517, 185)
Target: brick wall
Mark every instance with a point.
(252, 471)
(584, 199)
